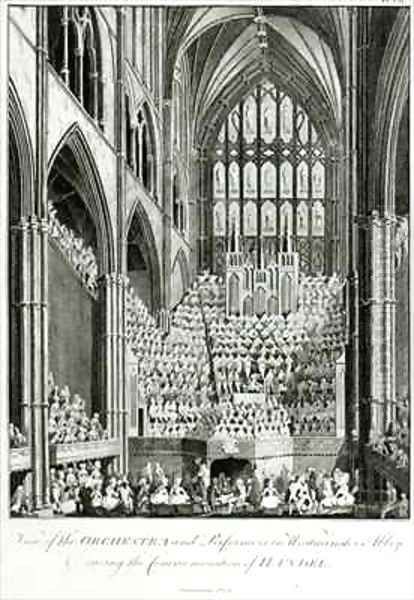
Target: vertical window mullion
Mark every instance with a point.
(310, 202)
(241, 175)
(226, 181)
(296, 162)
(134, 33)
(277, 162)
(258, 161)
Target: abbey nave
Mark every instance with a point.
(208, 261)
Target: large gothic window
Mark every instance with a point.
(74, 52)
(268, 178)
(140, 147)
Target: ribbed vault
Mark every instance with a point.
(226, 60)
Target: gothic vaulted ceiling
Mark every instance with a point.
(300, 50)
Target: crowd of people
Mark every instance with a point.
(85, 488)
(273, 353)
(80, 256)
(68, 419)
(395, 505)
(173, 367)
(322, 291)
(170, 418)
(16, 438)
(394, 444)
(309, 492)
(206, 357)
(245, 419)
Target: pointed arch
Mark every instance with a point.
(181, 263)
(234, 292)
(248, 306)
(74, 46)
(391, 99)
(286, 293)
(259, 301)
(272, 305)
(130, 97)
(20, 158)
(151, 254)
(90, 188)
(150, 139)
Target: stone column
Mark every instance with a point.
(102, 81)
(161, 49)
(35, 290)
(123, 407)
(64, 71)
(381, 311)
(167, 203)
(108, 358)
(118, 278)
(20, 299)
(79, 73)
(202, 202)
(351, 199)
(362, 66)
(340, 396)
(37, 303)
(112, 359)
(132, 141)
(93, 82)
(150, 174)
(331, 220)
(193, 213)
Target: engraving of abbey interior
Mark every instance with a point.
(208, 261)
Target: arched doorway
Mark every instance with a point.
(231, 467)
(16, 325)
(142, 260)
(139, 264)
(72, 281)
(15, 284)
(20, 201)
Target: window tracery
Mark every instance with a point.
(269, 162)
(140, 147)
(74, 52)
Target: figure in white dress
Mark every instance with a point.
(178, 495)
(343, 496)
(126, 495)
(111, 499)
(96, 495)
(270, 497)
(160, 496)
(328, 497)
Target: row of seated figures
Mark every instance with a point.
(81, 256)
(85, 489)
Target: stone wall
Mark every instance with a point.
(174, 455)
(72, 330)
(271, 456)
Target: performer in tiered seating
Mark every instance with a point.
(68, 421)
